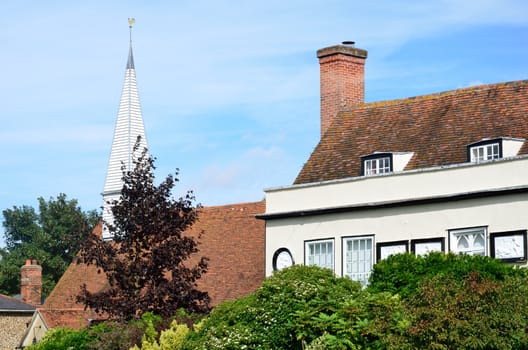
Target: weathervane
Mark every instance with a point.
(131, 22)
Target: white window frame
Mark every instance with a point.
(469, 237)
(320, 253)
(375, 166)
(357, 262)
(485, 152)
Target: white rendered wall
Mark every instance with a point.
(497, 213)
(464, 178)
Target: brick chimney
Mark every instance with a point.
(342, 70)
(31, 283)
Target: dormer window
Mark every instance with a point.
(490, 149)
(377, 163)
(384, 162)
(485, 151)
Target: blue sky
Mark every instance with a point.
(229, 89)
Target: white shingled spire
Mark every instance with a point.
(129, 126)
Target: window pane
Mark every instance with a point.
(484, 152)
(377, 166)
(359, 259)
(469, 241)
(462, 243)
(320, 254)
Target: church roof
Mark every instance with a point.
(231, 237)
(436, 127)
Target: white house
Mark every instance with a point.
(440, 172)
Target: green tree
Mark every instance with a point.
(52, 236)
(147, 262)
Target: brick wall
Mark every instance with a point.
(342, 80)
(31, 283)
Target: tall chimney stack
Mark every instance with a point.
(31, 283)
(342, 70)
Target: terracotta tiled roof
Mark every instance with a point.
(436, 127)
(232, 238)
(60, 308)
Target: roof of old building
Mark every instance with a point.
(231, 237)
(10, 304)
(233, 240)
(436, 127)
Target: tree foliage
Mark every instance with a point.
(147, 262)
(52, 236)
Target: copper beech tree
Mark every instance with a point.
(147, 262)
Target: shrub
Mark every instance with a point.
(368, 321)
(402, 273)
(476, 313)
(270, 317)
(64, 338)
(170, 339)
(123, 336)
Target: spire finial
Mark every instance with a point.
(131, 22)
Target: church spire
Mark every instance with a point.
(129, 126)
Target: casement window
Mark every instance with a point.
(358, 258)
(320, 253)
(485, 152)
(490, 149)
(470, 241)
(377, 163)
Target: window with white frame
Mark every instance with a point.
(379, 165)
(484, 152)
(320, 253)
(470, 241)
(358, 258)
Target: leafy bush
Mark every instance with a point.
(476, 313)
(271, 317)
(123, 336)
(368, 321)
(170, 339)
(64, 338)
(402, 273)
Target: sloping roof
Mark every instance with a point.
(233, 240)
(10, 304)
(436, 127)
(231, 237)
